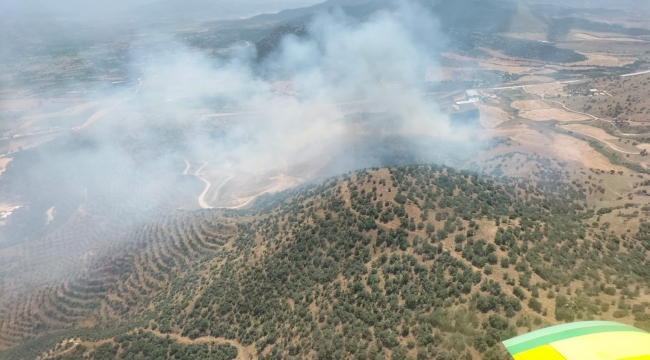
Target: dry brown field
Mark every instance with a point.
(492, 116)
(591, 131)
(583, 35)
(529, 105)
(539, 110)
(553, 145)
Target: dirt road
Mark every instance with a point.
(636, 73)
(187, 167)
(202, 202)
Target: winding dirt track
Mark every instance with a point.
(187, 167)
(208, 185)
(202, 202)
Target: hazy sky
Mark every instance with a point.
(99, 7)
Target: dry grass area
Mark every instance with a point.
(591, 131)
(538, 110)
(552, 145)
(526, 79)
(506, 66)
(235, 190)
(534, 36)
(582, 35)
(553, 114)
(240, 192)
(545, 89)
(604, 59)
(572, 149)
(492, 116)
(500, 62)
(528, 105)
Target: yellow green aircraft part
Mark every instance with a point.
(587, 340)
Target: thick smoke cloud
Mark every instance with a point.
(347, 95)
(343, 66)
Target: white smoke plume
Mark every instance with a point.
(226, 128)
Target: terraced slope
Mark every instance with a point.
(419, 261)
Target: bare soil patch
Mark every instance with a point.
(572, 149)
(3, 164)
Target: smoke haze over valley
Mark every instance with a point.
(174, 122)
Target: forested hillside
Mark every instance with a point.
(413, 262)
